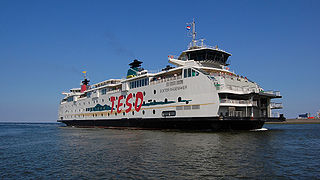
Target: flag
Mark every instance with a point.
(188, 27)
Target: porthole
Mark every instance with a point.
(134, 95)
(108, 114)
(144, 93)
(132, 112)
(165, 100)
(154, 111)
(115, 114)
(179, 99)
(187, 102)
(124, 113)
(101, 114)
(143, 112)
(154, 91)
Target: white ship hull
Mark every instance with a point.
(200, 93)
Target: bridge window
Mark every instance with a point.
(211, 55)
(190, 73)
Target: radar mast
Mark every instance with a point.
(194, 41)
(193, 33)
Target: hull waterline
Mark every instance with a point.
(189, 123)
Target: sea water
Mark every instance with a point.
(51, 151)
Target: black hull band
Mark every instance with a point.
(190, 123)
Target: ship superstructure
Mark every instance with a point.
(200, 92)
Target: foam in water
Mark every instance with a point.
(262, 129)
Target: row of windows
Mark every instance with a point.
(188, 107)
(95, 115)
(105, 108)
(90, 93)
(105, 90)
(139, 83)
(190, 73)
(94, 101)
(102, 100)
(143, 111)
(208, 55)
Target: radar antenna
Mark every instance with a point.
(84, 74)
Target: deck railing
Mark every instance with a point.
(276, 93)
(157, 81)
(274, 105)
(233, 101)
(238, 88)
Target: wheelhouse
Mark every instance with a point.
(207, 55)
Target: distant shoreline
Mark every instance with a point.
(297, 121)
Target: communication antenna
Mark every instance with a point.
(202, 42)
(193, 26)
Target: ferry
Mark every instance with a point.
(199, 92)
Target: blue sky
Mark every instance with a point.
(44, 46)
